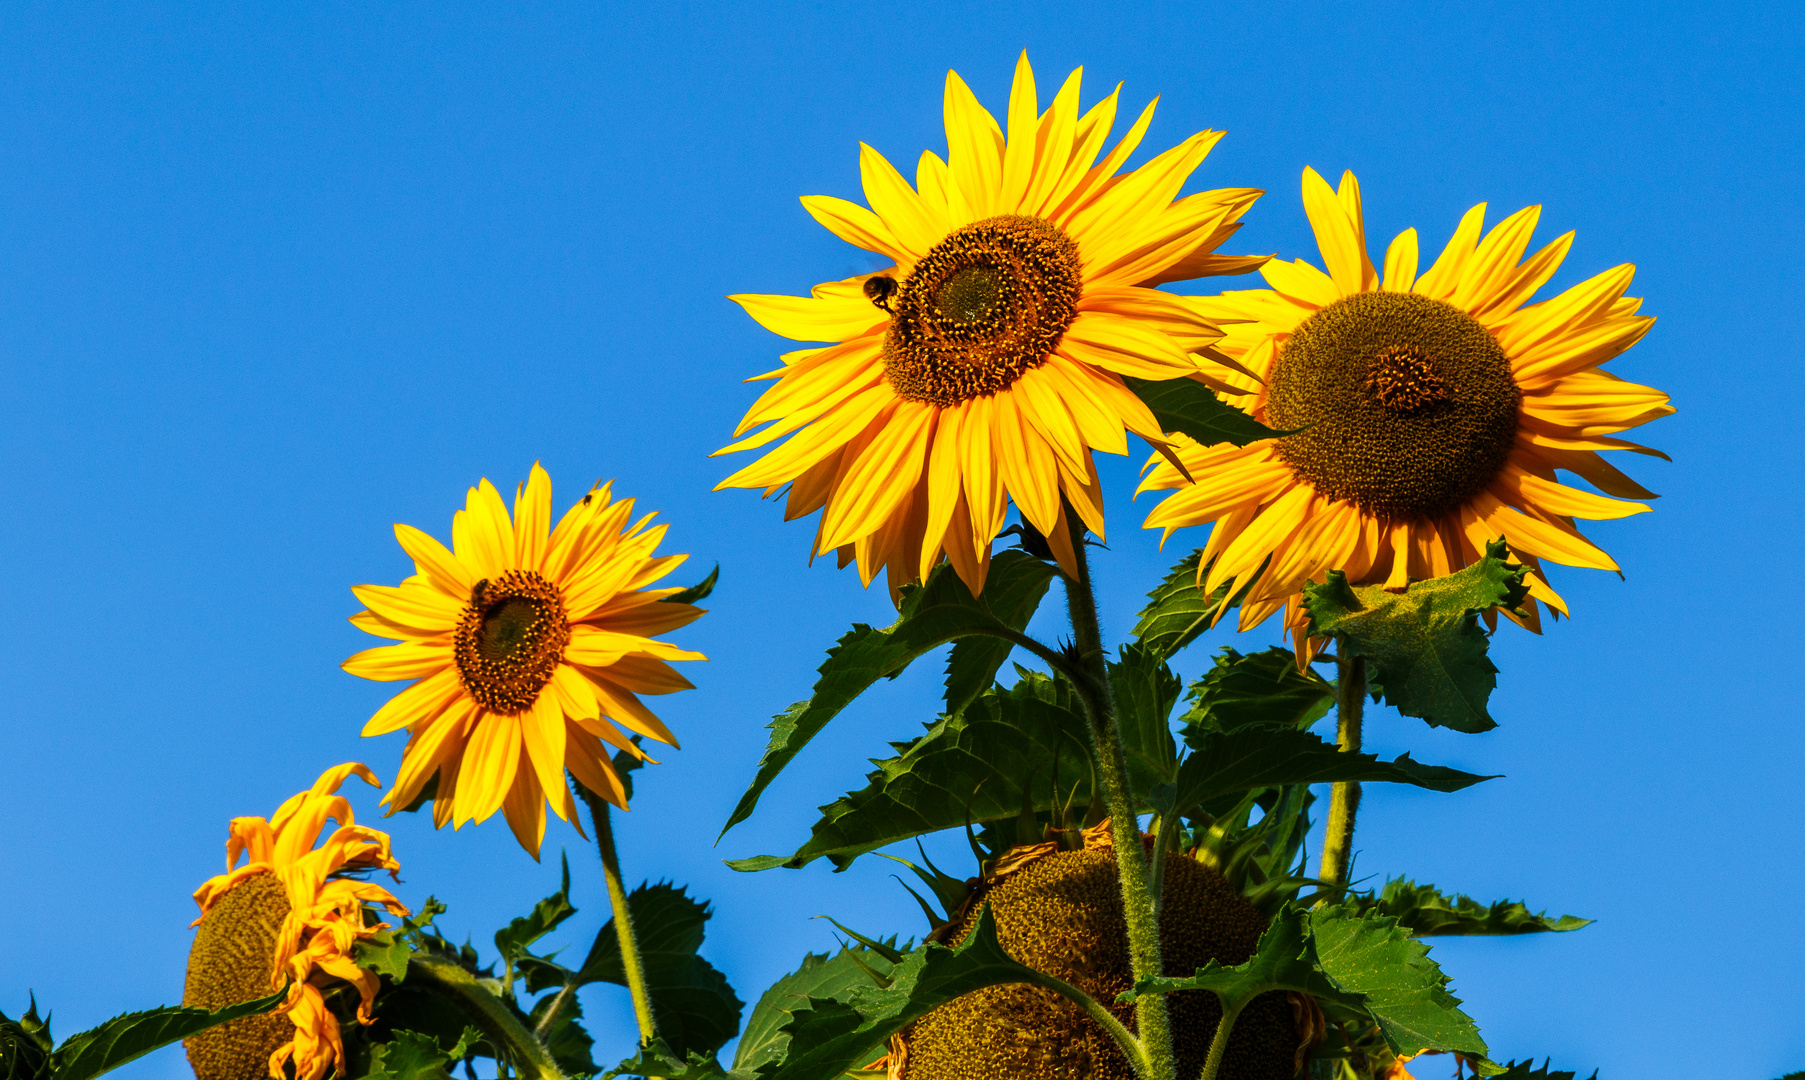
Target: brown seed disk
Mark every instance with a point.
(1062, 915)
(988, 303)
(1408, 404)
(509, 640)
(233, 960)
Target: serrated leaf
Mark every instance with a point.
(1429, 912)
(1526, 1070)
(693, 1006)
(1285, 959)
(1191, 408)
(131, 1036)
(931, 615)
(25, 1045)
(512, 940)
(1427, 651)
(1145, 692)
(698, 592)
(566, 1041)
(1013, 590)
(1259, 757)
(1405, 992)
(819, 977)
(409, 1055)
(659, 1060)
(1256, 688)
(830, 1036)
(1177, 610)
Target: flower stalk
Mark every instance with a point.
(1152, 1021)
(630, 960)
(490, 1014)
(1344, 798)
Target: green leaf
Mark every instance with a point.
(566, 1041)
(1258, 688)
(695, 1009)
(1012, 591)
(819, 977)
(1285, 959)
(385, 953)
(1189, 407)
(698, 592)
(1429, 912)
(829, 1036)
(1259, 757)
(1023, 745)
(1405, 992)
(659, 1060)
(931, 615)
(1526, 1070)
(409, 1055)
(131, 1036)
(1178, 611)
(512, 940)
(1427, 650)
(1145, 691)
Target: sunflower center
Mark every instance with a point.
(510, 639)
(233, 959)
(986, 304)
(1408, 404)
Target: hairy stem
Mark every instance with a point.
(490, 1014)
(1151, 1017)
(1136, 1053)
(1344, 799)
(623, 919)
(1219, 1043)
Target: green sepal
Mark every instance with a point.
(828, 1036)
(1427, 651)
(932, 614)
(386, 953)
(1429, 912)
(1256, 688)
(512, 940)
(1191, 408)
(698, 592)
(26, 1045)
(131, 1036)
(1222, 762)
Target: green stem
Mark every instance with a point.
(490, 1013)
(1136, 1053)
(1219, 1044)
(1344, 799)
(1151, 1018)
(623, 920)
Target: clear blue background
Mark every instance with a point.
(275, 277)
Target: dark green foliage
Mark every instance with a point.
(1146, 690)
(1012, 596)
(1258, 688)
(1177, 611)
(409, 1055)
(1526, 1070)
(932, 614)
(28, 1052)
(512, 940)
(698, 592)
(1193, 409)
(1426, 650)
(820, 977)
(1429, 912)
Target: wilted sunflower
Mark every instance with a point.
(1435, 408)
(288, 913)
(526, 646)
(986, 363)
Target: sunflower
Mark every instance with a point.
(987, 361)
(289, 913)
(1434, 410)
(525, 646)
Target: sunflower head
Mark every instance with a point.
(1429, 414)
(1060, 912)
(529, 644)
(289, 914)
(983, 366)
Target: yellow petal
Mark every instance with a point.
(856, 225)
(388, 663)
(1337, 237)
(1400, 263)
(808, 318)
(912, 221)
(441, 567)
(974, 145)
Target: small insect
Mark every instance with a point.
(880, 289)
(477, 590)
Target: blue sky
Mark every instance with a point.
(273, 278)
